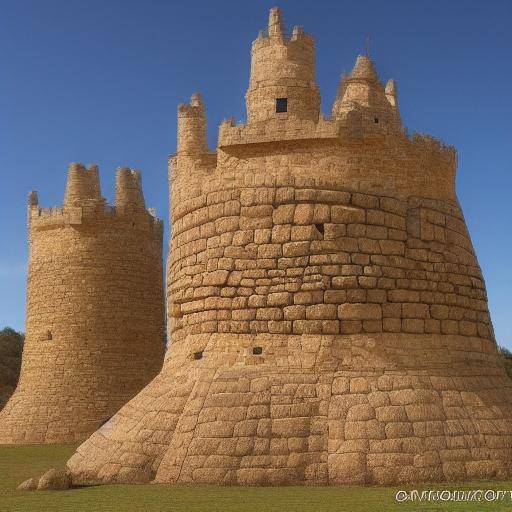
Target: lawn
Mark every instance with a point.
(21, 462)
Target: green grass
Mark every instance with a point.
(18, 463)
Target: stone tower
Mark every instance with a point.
(95, 315)
(328, 317)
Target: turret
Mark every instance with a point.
(192, 127)
(129, 193)
(283, 76)
(83, 185)
(363, 92)
(33, 200)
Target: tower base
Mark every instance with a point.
(312, 410)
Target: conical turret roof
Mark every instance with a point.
(364, 69)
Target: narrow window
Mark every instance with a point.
(257, 351)
(375, 120)
(281, 104)
(49, 335)
(198, 355)
(320, 228)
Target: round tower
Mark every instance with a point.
(328, 317)
(283, 75)
(95, 317)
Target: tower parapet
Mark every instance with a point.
(95, 315)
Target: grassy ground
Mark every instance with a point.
(19, 463)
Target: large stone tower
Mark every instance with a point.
(95, 315)
(329, 318)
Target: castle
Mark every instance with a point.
(328, 318)
(95, 311)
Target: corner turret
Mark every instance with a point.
(283, 75)
(33, 200)
(129, 193)
(192, 127)
(363, 93)
(83, 185)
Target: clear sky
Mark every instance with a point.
(98, 81)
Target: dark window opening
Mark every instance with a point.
(198, 355)
(320, 228)
(257, 351)
(133, 224)
(375, 120)
(281, 104)
(49, 335)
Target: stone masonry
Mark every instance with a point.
(95, 315)
(328, 317)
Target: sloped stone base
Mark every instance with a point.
(312, 410)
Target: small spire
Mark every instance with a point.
(367, 46)
(364, 69)
(275, 23)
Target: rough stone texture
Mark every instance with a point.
(329, 318)
(28, 485)
(95, 315)
(54, 480)
(11, 348)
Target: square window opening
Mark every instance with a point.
(257, 351)
(281, 105)
(320, 228)
(198, 355)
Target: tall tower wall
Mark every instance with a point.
(95, 317)
(328, 317)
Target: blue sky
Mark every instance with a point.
(99, 81)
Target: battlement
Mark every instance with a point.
(83, 204)
(276, 33)
(344, 129)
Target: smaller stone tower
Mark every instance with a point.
(95, 313)
(363, 100)
(283, 75)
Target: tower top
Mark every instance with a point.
(283, 75)
(364, 69)
(275, 23)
